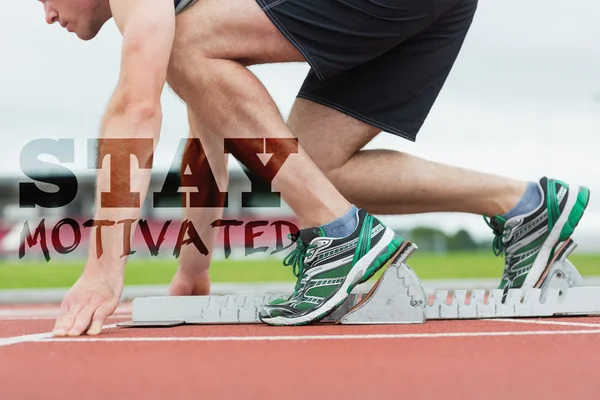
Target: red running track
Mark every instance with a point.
(515, 359)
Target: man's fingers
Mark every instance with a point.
(102, 313)
(82, 320)
(65, 321)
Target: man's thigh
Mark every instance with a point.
(232, 30)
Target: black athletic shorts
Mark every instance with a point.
(383, 62)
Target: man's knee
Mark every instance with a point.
(329, 137)
(178, 75)
(187, 70)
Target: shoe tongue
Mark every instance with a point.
(309, 234)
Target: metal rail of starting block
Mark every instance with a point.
(396, 298)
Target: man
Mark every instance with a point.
(375, 66)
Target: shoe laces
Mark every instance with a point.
(498, 242)
(296, 258)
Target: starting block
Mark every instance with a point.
(396, 298)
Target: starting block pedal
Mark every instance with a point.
(561, 292)
(396, 298)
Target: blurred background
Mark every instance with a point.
(523, 101)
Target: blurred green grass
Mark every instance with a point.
(15, 275)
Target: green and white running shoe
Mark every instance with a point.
(329, 268)
(529, 241)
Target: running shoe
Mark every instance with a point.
(328, 268)
(529, 241)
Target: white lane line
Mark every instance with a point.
(25, 338)
(33, 312)
(85, 339)
(52, 317)
(36, 337)
(547, 322)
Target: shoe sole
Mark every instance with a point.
(362, 271)
(577, 202)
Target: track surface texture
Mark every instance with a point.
(484, 359)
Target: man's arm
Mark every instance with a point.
(133, 113)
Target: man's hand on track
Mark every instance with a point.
(87, 305)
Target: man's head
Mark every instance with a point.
(84, 17)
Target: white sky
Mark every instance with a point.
(523, 99)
